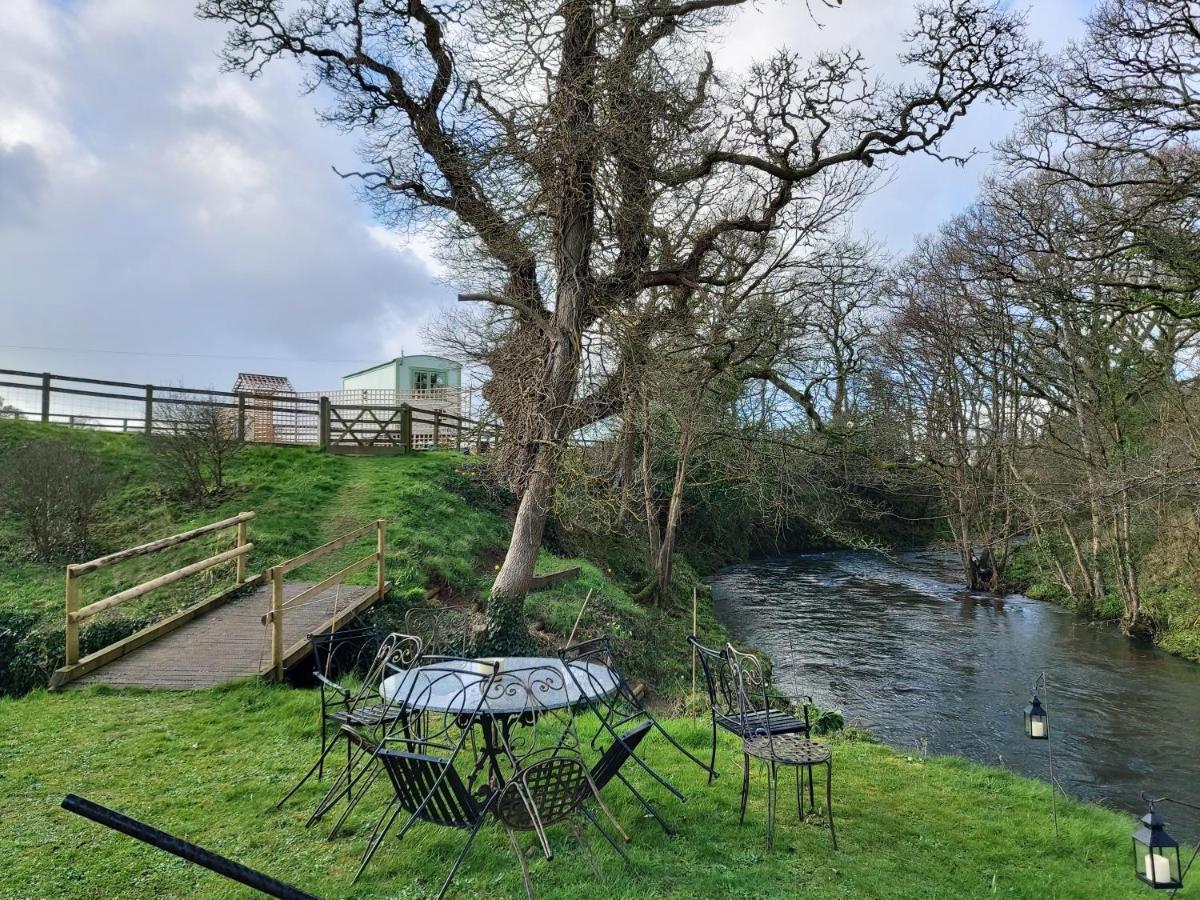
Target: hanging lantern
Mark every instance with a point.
(1156, 854)
(1037, 723)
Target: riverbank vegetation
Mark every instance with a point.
(210, 765)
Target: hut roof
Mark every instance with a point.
(263, 384)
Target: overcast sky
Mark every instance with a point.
(151, 204)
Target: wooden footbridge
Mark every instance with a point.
(256, 627)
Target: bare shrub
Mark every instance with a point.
(192, 444)
(54, 491)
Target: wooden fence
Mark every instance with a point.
(74, 667)
(274, 418)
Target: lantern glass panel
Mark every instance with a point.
(1037, 725)
(1156, 856)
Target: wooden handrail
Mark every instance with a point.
(274, 618)
(321, 586)
(154, 546)
(336, 544)
(155, 583)
(76, 614)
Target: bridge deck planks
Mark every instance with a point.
(225, 644)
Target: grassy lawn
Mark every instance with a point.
(209, 766)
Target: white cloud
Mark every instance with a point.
(419, 245)
(158, 204)
(210, 90)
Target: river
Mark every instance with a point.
(903, 649)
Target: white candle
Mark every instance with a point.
(1158, 868)
(1038, 727)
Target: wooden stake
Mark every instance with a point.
(380, 550)
(241, 560)
(579, 618)
(72, 629)
(694, 626)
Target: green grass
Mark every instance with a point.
(209, 766)
(301, 498)
(447, 525)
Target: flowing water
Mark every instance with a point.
(901, 648)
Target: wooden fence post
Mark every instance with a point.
(406, 427)
(241, 423)
(72, 629)
(323, 416)
(241, 560)
(149, 427)
(437, 428)
(277, 621)
(45, 396)
(458, 422)
(380, 549)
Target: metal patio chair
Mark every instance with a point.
(546, 792)
(720, 683)
(445, 694)
(775, 749)
(617, 706)
(609, 766)
(361, 708)
(430, 790)
(337, 654)
(550, 782)
(442, 629)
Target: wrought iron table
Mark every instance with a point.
(522, 688)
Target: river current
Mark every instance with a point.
(901, 648)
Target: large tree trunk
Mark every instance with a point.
(574, 231)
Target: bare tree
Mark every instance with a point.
(596, 164)
(9, 412)
(1118, 114)
(192, 443)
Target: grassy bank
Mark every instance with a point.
(447, 526)
(209, 766)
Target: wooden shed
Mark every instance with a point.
(262, 422)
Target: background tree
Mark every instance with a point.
(193, 443)
(592, 163)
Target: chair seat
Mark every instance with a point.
(757, 722)
(367, 716)
(787, 749)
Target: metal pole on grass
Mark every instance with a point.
(183, 849)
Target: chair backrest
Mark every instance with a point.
(593, 667)
(544, 792)
(541, 698)
(447, 694)
(443, 629)
(624, 746)
(719, 678)
(753, 693)
(429, 788)
(396, 652)
(339, 653)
